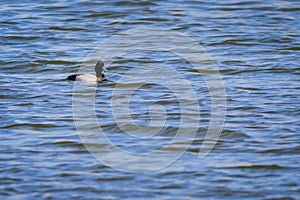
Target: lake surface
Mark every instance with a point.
(256, 48)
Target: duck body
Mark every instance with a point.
(90, 78)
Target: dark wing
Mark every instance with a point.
(72, 77)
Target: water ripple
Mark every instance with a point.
(256, 47)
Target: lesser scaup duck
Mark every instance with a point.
(89, 77)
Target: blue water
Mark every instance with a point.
(254, 44)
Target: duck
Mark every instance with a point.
(99, 68)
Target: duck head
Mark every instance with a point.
(99, 71)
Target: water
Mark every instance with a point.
(256, 47)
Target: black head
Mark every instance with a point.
(99, 68)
